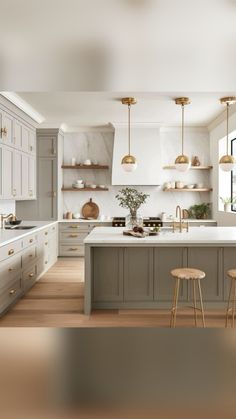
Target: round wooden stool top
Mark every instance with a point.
(188, 273)
(232, 273)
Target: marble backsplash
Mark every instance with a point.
(98, 147)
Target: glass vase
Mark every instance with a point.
(133, 219)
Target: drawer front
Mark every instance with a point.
(72, 237)
(29, 240)
(10, 249)
(73, 227)
(53, 229)
(29, 276)
(10, 294)
(72, 250)
(29, 256)
(9, 269)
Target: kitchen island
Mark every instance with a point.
(134, 273)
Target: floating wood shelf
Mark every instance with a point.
(191, 167)
(84, 189)
(188, 190)
(86, 166)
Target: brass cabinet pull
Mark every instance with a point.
(31, 240)
(4, 131)
(10, 252)
(31, 275)
(12, 292)
(73, 226)
(46, 233)
(30, 256)
(46, 243)
(14, 192)
(73, 249)
(11, 269)
(31, 148)
(73, 235)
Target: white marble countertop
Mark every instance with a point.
(191, 220)
(200, 235)
(82, 220)
(8, 236)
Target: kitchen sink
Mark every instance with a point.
(19, 227)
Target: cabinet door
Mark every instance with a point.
(8, 155)
(47, 146)
(17, 135)
(47, 171)
(138, 274)
(166, 259)
(25, 139)
(17, 175)
(8, 122)
(25, 176)
(208, 260)
(32, 142)
(108, 274)
(1, 172)
(1, 127)
(32, 177)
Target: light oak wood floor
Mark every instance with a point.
(56, 300)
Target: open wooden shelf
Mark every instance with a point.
(84, 189)
(191, 167)
(86, 166)
(188, 190)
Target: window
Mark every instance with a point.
(233, 174)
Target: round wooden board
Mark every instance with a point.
(90, 210)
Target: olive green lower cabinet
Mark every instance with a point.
(139, 277)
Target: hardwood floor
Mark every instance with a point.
(56, 300)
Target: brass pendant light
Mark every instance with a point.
(182, 162)
(129, 162)
(227, 162)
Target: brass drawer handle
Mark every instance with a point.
(46, 243)
(73, 249)
(11, 269)
(74, 226)
(12, 292)
(10, 252)
(30, 256)
(31, 275)
(31, 240)
(46, 233)
(4, 131)
(73, 235)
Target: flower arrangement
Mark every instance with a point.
(132, 199)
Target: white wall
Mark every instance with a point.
(220, 179)
(7, 206)
(99, 146)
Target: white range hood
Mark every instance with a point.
(145, 146)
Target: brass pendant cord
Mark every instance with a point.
(129, 106)
(227, 129)
(182, 129)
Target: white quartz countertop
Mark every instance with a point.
(196, 235)
(8, 236)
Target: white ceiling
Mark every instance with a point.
(76, 109)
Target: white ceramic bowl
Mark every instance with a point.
(79, 181)
(93, 186)
(191, 186)
(102, 186)
(78, 185)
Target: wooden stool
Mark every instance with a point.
(192, 275)
(232, 297)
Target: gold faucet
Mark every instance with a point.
(4, 218)
(180, 224)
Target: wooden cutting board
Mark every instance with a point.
(90, 210)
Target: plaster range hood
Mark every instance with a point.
(145, 140)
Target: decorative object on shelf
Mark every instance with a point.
(69, 215)
(190, 186)
(200, 211)
(90, 210)
(182, 162)
(185, 214)
(129, 162)
(179, 184)
(227, 162)
(132, 199)
(196, 161)
(78, 185)
(73, 161)
(76, 215)
(167, 185)
(87, 162)
(228, 202)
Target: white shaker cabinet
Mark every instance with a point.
(25, 139)
(32, 177)
(17, 134)
(7, 129)
(7, 172)
(17, 175)
(1, 171)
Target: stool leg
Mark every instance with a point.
(227, 311)
(175, 302)
(234, 301)
(194, 302)
(201, 304)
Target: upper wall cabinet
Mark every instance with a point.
(17, 154)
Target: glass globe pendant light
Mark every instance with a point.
(182, 162)
(227, 162)
(129, 162)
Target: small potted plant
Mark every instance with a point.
(228, 202)
(200, 211)
(132, 199)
